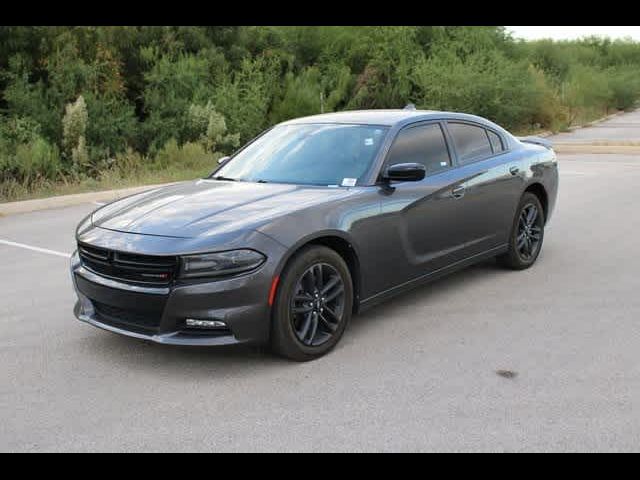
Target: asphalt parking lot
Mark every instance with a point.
(416, 374)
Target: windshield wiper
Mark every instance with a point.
(262, 181)
(222, 177)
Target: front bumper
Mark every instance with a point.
(159, 314)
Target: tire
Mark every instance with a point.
(525, 243)
(302, 327)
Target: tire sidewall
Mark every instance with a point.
(284, 339)
(519, 261)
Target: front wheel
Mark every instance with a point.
(313, 304)
(527, 234)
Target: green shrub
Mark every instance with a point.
(32, 99)
(245, 96)
(625, 87)
(386, 79)
(188, 156)
(209, 128)
(127, 163)
(587, 89)
(18, 130)
(302, 96)
(486, 84)
(548, 112)
(112, 126)
(173, 84)
(32, 162)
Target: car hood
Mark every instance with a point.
(209, 207)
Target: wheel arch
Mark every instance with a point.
(539, 191)
(339, 242)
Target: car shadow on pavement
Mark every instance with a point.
(397, 305)
(209, 362)
(140, 355)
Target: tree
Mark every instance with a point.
(209, 128)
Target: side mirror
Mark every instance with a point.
(405, 172)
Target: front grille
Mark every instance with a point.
(129, 267)
(137, 321)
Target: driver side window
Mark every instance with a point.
(424, 144)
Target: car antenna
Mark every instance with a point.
(410, 106)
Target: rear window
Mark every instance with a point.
(472, 142)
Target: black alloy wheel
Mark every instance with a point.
(317, 307)
(313, 304)
(527, 234)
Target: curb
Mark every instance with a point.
(595, 148)
(26, 206)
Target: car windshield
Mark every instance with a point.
(307, 154)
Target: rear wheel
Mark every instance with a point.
(313, 304)
(527, 234)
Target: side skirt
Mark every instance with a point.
(429, 277)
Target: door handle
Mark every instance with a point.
(458, 192)
(514, 170)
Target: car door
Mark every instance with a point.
(422, 218)
(488, 187)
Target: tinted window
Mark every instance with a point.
(496, 142)
(308, 154)
(471, 142)
(425, 145)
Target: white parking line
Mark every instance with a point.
(100, 204)
(35, 249)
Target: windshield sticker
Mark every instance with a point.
(349, 182)
(368, 142)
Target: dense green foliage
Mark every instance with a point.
(82, 103)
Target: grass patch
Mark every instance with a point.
(171, 165)
(106, 182)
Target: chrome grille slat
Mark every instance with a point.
(95, 253)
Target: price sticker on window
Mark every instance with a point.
(349, 182)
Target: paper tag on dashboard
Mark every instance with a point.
(349, 182)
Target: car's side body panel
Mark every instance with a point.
(420, 230)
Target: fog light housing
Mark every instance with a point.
(211, 324)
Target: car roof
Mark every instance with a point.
(383, 117)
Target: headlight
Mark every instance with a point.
(219, 264)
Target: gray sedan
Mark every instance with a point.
(313, 221)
